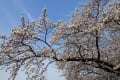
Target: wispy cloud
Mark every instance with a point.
(28, 14)
(24, 11)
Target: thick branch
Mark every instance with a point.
(108, 67)
(97, 44)
(30, 48)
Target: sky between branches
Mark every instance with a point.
(10, 13)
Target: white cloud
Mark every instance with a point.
(21, 6)
(28, 14)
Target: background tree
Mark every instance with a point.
(88, 46)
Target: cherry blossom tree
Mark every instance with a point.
(87, 47)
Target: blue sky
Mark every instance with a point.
(11, 10)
